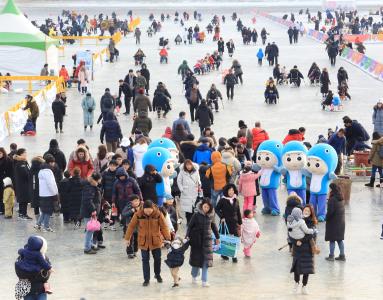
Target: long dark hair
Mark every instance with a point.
(207, 200)
(335, 191)
(2, 150)
(312, 211)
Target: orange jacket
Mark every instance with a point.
(219, 173)
(64, 73)
(259, 136)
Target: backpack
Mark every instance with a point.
(380, 152)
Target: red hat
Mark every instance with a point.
(141, 91)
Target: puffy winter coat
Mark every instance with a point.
(150, 229)
(230, 80)
(230, 212)
(47, 183)
(58, 109)
(188, 149)
(204, 116)
(202, 154)
(335, 220)
(142, 123)
(374, 156)
(147, 184)
(107, 103)
(188, 184)
(122, 189)
(199, 232)
(111, 129)
(88, 106)
(90, 201)
(176, 257)
(59, 157)
(75, 188)
(142, 103)
(138, 152)
(85, 165)
(107, 182)
(219, 173)
(293, 135)
(247, 184)
(303, 260)
(259, 136)
(23, 180)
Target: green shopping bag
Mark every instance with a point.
(229, 244)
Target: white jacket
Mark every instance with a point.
(188, 183)
(297, 229)
(47, 183)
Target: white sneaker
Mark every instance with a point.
(194, 280)
(296, 286)
(205, 284)
(112, 228)
(305, 290)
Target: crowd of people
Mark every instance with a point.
(111, 189)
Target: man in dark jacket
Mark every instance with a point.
(295, 76)
(204, 116)
(338, 142)
(275, 52)
(295, 34)
(356, 135)
(290, 32)
(58, 109)
(193, 97)
(131, 81)
(112, 131)
(230, 80)
(145, 72)
(59, 156)
(107, 103)
(125, 89)
(124, 187)
(142, 123)
(142, 102)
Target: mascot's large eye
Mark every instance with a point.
(168, 167)
(317, 165)
(299, 158)
(327, 151)
(288, 159)
(161, 141)
(267, 158)
(308, 164)
(158, 154)
(277, 145)
(259, 158)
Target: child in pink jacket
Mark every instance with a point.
(247, 186)
(249, 232)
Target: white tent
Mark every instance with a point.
(24, 49)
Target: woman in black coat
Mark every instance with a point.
(335, 222)
(303, 262)
(6, 170)
(23, 182)
(325, 82)
(199, 233)
(204, 116)
(229, 212)
(90, 207)
(75, 187)
(58, 109)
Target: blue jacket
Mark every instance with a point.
(339, 144)
(29, 126)
(202, 154)
(183, 122)
(260, 54)
(111, 129)
(32, 261)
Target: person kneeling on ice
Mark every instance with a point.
(176, 257)
(250, 232)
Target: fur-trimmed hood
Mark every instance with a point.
(200, 210)
(75, 155)
(18, 158)
(193, 143)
